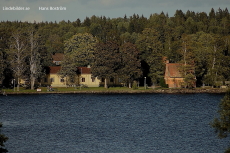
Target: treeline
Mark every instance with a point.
(198, 39)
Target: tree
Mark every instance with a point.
(106, 61)
(130, 63)
(3, 139)
(87, 22)
(54, 44)
(222, 124)
(17, 54)
(2, 65)
(69, 69)
(79, 50)
(188, 64)
(215, 59)
(34, 57)
(4, 36)
(151, 49)
(81, 47)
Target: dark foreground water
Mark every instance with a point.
(72, 123)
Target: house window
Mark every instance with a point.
(82, 79)
(51, 79)
(119, 80)
(62, 80)
(45, 79)
(103, 80)
(57, 63)
(111, 80)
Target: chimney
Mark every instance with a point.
(165, 60)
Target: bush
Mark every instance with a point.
(135, 85)
(162, 83)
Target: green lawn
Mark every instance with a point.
(70, 89)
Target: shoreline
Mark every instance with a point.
(149, 91)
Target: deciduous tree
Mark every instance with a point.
(130, 63)
(79, 50)
(18, 52)
(34, 57)
(107, 61)
(81, 47)
(188, 64)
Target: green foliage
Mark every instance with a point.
(81, 48)
(162, 83)
(222, 124)
(152, 52)
(130, 67)
(135, 85)
(106, 60)
(2, 65)
(201, 38)
(3, 139)
(190, 80)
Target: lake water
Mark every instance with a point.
(143, 123)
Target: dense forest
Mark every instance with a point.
(133, 47)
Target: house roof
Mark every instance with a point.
(173, 70)
(80, 70)
(84, 70)
(58, 57)
(54, 69)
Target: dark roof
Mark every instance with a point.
(54, 69)
(84, 70)
(58, 57)
(173, 70)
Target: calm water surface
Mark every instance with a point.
(144, 123)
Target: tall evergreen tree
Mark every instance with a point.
(151, 49)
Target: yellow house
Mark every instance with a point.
(86, 78)
(53, 78)
(83, 75)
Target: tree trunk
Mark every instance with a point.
(32, 74)
(105, 85)
(32, 81)
(18, 85)
(130, 85)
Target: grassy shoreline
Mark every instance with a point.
(111, 90)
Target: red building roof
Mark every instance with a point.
(54, 69)
(84, 70)
(80, 70)
(173, 70)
